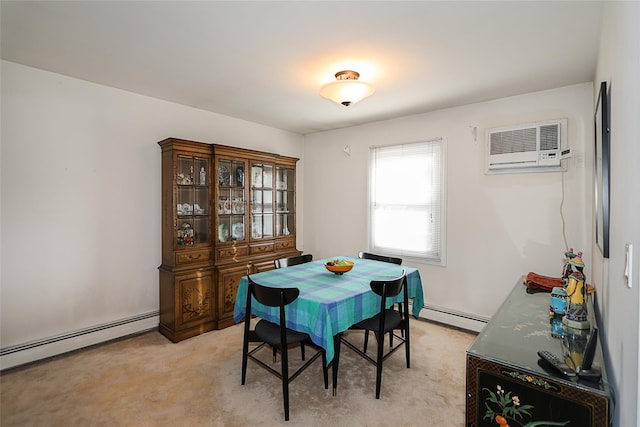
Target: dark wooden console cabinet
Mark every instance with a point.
(226, 212)
(504, 375)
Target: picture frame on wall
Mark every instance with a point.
(602, 170)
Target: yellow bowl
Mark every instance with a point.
(338, 269)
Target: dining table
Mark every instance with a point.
(329, 303)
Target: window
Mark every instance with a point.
(406, 200)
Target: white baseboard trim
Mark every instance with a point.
(21, 354)
(470, 322)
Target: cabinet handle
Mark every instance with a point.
(192, 257)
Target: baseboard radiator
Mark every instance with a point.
(470, 322)
(53, 346)
(21, 354)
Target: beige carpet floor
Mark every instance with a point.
(148, 381)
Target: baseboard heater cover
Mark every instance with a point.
(470, 322)
(53, 346)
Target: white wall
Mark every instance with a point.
(81, 198)
(499, 227)
(619, 66)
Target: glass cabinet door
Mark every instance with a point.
(231, 200)
(261, 200)
(285, 201)
(192, 201)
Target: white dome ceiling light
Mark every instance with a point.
(347, 89)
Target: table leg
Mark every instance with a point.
(336, 361)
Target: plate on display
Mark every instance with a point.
(237, 231)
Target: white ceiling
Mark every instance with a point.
(265, 61)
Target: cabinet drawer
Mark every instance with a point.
(202, 255)
(262, 248)
(285, 244)
(232, 251)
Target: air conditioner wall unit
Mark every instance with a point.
(532, 147)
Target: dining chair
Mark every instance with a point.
(276, 335)
(294, 260)
(382, 258)
(289, 262)
(387, 320)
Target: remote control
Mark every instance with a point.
(557, 364)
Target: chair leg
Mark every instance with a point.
(302, 350)
(245, 349)
(401, 314)
(407, 347)
(379, 365)
(366, 340)
(275, 352)
(285, 382)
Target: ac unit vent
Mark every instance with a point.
(549, 137)
(513, 141)
(532, 147)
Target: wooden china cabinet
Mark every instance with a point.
(226, 212)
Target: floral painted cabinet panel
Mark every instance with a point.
(229, 277)
(501, 396)
(508, 385)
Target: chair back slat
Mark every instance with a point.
(272, 297)
(291, 261)
(388, 288)
(376, 257)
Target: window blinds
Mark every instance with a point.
(406, 192)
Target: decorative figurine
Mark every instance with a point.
(567, 270)
(240, 176)
(558, 301)
(186, 236)
(558, 304)
(203, 176)
(576, 289)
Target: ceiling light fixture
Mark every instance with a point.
(347, 89)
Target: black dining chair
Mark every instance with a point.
(291, 261)
(276, 335)
(382, 258)
(386, 321)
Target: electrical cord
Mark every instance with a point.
(564, 232)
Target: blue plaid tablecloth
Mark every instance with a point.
(328, 303)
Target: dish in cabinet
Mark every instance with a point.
(237, 231)
(224, 178)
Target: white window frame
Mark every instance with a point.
(435, 259)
